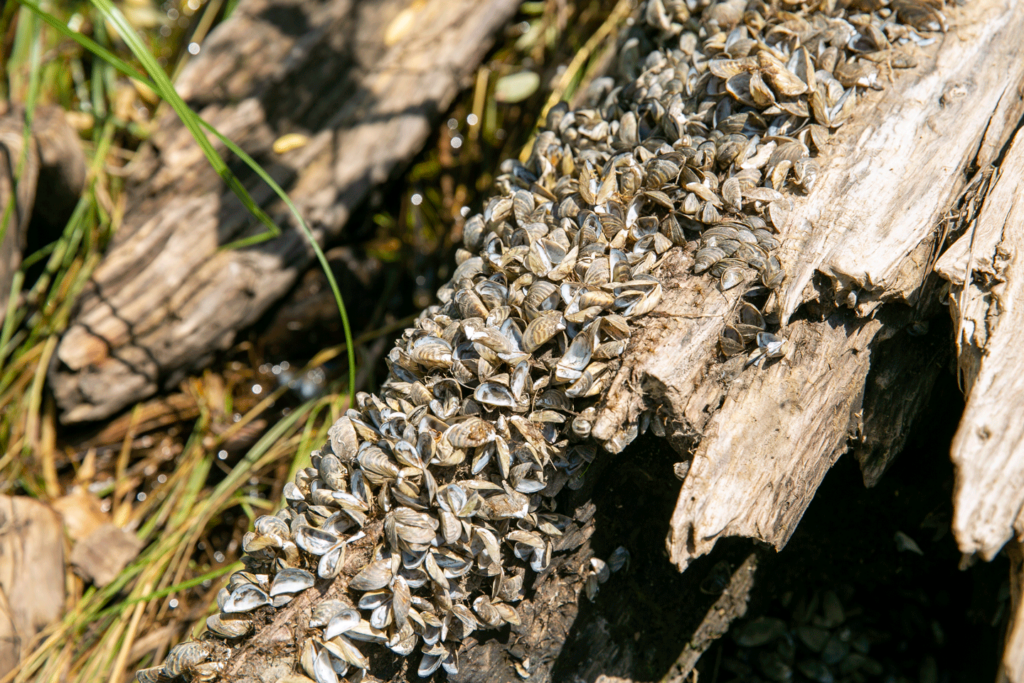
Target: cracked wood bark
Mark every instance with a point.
(986, 269)
(361, 79)
(986, 301)
(764, 440)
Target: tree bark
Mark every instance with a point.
(361, 80)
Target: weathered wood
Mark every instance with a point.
(901, 164)
(899, 386)
(546, 616)
(361, 79)
(764, 439)
(31, 575)
(986, 269)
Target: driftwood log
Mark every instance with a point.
(860, 251)
(362, 80)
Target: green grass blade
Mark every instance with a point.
(164, 87)
(9, 317)
(164, 592)
(30, 107)
(88, 43)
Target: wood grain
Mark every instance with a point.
(988, 449)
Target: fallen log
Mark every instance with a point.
(360, 80)
(857, 251)
(760, 439)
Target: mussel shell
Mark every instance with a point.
(494, 394)
(541, 330)
(325, 610)
(268, 525)
(342, 622)
(375, 575)
(185, 656)
(154, 674)
(246, 598)
(323, 668)
(344, 440)
(291, 580)
(470, 433)
(331, 562)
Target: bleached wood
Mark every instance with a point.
(894, 173)
(988, 449)
(764, 439)
(31, 575)
(361, 79)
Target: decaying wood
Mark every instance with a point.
(31, 575)
(731, 605)
(546, 616)
(903, 373)
(361, 80)
(765, 438)
(986, 269)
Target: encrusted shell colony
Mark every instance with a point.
(488, 408)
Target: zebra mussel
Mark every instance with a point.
(717, 118)
(816, 636)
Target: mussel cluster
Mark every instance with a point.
(488, 407)
(818, 639)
